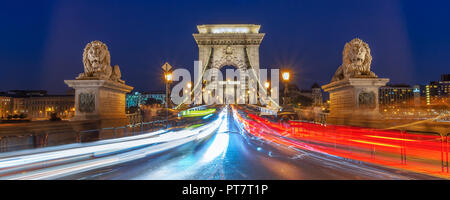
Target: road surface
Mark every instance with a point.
(230, 154)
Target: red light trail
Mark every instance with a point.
(392, 148)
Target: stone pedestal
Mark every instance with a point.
(102, 100)
(354, 98)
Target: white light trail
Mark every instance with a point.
(220, 144)
(115, 152)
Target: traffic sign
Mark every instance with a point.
(166, 67)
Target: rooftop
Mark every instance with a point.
(228, 28)
(30, 93)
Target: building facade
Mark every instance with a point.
(317, 95)
(36, 105)
(393, 94)
(5, 105)
(397, 99)
(422, 101)
(136, 99)
(437, 92)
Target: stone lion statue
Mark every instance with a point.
(97, 63)
(356, 61)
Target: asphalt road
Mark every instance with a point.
(231, 154)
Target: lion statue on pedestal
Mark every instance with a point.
(356, 61)
(96, 61)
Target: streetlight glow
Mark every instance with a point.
(286, 76)
(169, 76)
(267, 84)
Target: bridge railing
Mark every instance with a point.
(31, 140)
(445, 148)
(411, 150)
(124, 131)
(44, 139)
(134, 118)
(424, 152)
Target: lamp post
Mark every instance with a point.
(189, 86)
(267, 85)
(286, 76)
(168, 78)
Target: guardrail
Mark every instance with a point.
(417, 151)
(424, 152)
(38, 140)
(134, 118)
(123, 131)
(444, 156)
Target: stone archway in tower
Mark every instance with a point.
(230, 84)
(232, 45)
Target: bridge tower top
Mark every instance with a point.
(234, 45)
(228, 34)
(228, 28)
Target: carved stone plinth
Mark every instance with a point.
(354, 98)
(100, 100)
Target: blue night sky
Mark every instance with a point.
(41, 42)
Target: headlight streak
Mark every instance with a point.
(185, 167)
(122, 150)
(117, 144)
(16, 155)
(220, 144)
(74, 168)
(218, 147)
(207, 116)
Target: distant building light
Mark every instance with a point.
(230, 30)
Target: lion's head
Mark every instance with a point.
(357, 54)
(356, 61)
(96, 57)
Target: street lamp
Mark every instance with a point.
(168, 78)
(188, 92)
(286, 76)
(267, 84)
